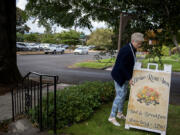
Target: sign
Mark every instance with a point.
(82, 36)
(149, 99)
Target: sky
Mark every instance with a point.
(34, 26)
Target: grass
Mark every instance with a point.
(96, 64)
(173, 60)
(98, 124)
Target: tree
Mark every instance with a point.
(19, 37)
(32, 37)
(21, 18)
(48, 38)
(101, 38)
(8, 63)
(70, 37)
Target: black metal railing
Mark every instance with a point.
(27, 95)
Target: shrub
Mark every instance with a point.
(76, 103)
(165, 51)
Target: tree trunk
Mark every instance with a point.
(8, 62)
(120, 31)
(122, 24)
(176, 43)
(170, 51)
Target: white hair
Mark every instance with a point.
(137, 37)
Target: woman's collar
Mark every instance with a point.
(134, 49)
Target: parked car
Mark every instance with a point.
(54, 49)
(44, 45)
(91, 47)
(65, 46)
(33, 47)
(81, 51)
(21, 47)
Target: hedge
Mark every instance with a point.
(76, 103)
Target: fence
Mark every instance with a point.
(27, 95)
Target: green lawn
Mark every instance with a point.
(96, 64)
(173, 60)
(98, 124)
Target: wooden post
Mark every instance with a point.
(120, 31)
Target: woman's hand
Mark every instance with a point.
(131, 82)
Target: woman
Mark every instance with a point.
(122, 74)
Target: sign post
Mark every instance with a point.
(149, 99)
(82, 37)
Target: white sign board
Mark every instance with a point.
(149, 99)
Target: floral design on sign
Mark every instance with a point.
(148, 96)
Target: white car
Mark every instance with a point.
(81, 51)
(21, 47)
(54, 49)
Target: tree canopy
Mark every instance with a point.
(70, 37)
(101, 38)
(144, 14)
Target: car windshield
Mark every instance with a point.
(52, 45)
(20, 44)
(79, 48)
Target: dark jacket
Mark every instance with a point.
(123, 68)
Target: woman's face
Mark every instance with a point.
(137, 44)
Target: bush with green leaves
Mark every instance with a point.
(165, 51)
(75, 103)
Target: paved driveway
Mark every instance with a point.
(58, 65)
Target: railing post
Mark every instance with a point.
(12, 103)
(55, 86)
(40, 103)
(47, 104)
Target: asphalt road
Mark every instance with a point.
(58, 65)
